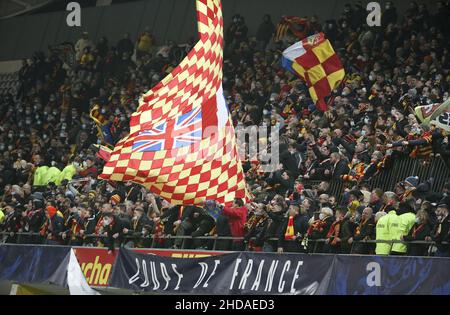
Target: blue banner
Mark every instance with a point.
(34, 264)
(235, 273)
(270, 273)
(364, 275)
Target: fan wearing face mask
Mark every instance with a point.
(319, 225)
(109, 228)
(419, 232)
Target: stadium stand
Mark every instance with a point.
(367, 155)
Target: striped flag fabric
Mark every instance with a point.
(102, 152)
(281, 30)
(182, 144)
(314, 60)
(103, 126)
(443, 120)
(291, 23)
(427, 113)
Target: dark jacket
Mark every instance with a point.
(55, 228)
(340, 169)
(443, 235)
(333, 245)
(89, 225)
(114, 227)
(300, 229)
(11, 222)
(349, 147)
(255, 230)
(282, 185)
(265, 31)
(290, 163)
(36, 220)
(348, 230)
(321, 232)
(318, 231)
(171, 215)
(319, 170)
(137, 226)
(350, 150)
(376, 206)
(202, 224)
(222, 226)
(364, 231)
(338, 236)
(274, 227)
(132, 193)
(71, 228)
(418, 233)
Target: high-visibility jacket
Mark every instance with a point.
(406, 221)
(67, 173)
(39, 176)
(2, 215)
(382, 233)
(394, 226)
(52, 175)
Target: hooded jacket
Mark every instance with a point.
(236, 219)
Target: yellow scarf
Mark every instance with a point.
(289, 235)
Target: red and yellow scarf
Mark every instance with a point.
(289, 235)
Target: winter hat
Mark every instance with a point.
(115, 199)
(412, 181)
(38, 196)
(445, 200)
(51, 211)
(69, 194)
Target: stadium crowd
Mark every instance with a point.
(49, 168)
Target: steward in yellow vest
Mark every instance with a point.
(382, 234)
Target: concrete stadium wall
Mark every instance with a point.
(168, 19)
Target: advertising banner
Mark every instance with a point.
(96, 263)
(270, 273)
(34, 264)
(233, 273)
(49, 268)
(390, 275)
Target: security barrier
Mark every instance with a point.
(214, 239)
(401, 169)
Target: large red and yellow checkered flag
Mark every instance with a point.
(313, 59)
(182, 144)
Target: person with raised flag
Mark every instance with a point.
(181, 144)
(104, 126)
(313, 60)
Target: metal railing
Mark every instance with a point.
(401, 169)
(215, 238)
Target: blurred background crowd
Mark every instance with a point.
(49, 166)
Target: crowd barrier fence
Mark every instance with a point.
(400, 170)
(153, 239)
